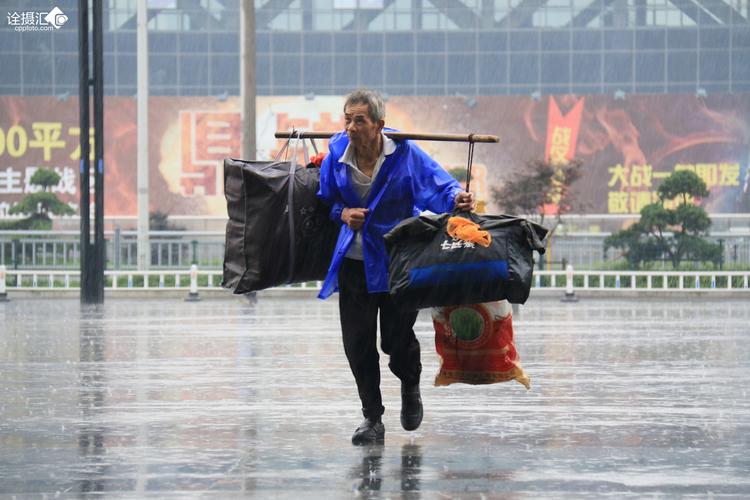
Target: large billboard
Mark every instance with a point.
(627, 145)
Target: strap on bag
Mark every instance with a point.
(285, 148)
(532, 238)
(290, 206)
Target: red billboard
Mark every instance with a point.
(627, 145)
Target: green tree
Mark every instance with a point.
(674, 233)
(37, 206)
(541, 191)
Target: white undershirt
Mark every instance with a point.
(362, 184)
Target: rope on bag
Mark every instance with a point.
(469, 161)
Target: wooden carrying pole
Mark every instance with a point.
(396, 135)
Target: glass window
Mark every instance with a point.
(345, 43)
(555, 89)
(317, 43)
(70, 72)
(587, 40)
(499, 89)
(371, 43)
(345, 70)
(584, 89)
(38, 90)
(460, 42)
(430, 42)
(126, 70)
(125, 41)
(461, 69)
(317, 71)
(37, 42)
(193, 42)
(555, 40)
(262, 70)
(682, 38)
(618, 40)
(586, 68)
(681, 88)
(524, 40)
(740, 36)
(36, 69)
(555, 68)
(493, 69)
(650, 39)
(524, 68)
(225, 42)
(66, 69)
(492, 41)
(225, 70)
(162, 42)
(162, 70)
(287, 90)
(430, 70)
(716, 88)
(194, 70)
(396, 90)
(11, 64)
(286, 70)
(618, 68)
(371, 70)
(714, 65)
(262, 41)
(714, 38)
(399, 42)
(681, 67)
(288, 20)
(126, 90)
(649, 67)
(64, 42)
(399, 70)
(741, 64)
(289, 43)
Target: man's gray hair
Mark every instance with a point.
(373, 99)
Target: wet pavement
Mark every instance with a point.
(222, 398)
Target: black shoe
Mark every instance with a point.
(370, 431)
(411, 407)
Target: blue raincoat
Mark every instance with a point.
(407, 182)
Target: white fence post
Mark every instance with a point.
(570, 295)
(3, 290)
(193, 295)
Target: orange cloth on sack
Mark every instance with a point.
(475, 344)
(463, 229)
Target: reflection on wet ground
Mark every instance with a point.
(162, 398)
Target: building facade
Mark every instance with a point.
(401, 47)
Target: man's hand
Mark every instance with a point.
(354, 217)
(464, 201)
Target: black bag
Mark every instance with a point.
(429, 268)
(275, 235)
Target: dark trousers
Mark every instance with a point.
(359, 312)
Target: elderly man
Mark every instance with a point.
(372, 183)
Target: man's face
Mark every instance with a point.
(360, 128)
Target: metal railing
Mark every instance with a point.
(61, 249)
(682, 281)
(568, 281)
(179, 249)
